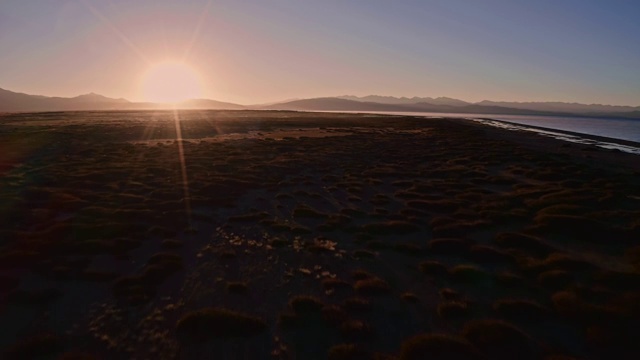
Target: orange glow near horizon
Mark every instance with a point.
(171, 82)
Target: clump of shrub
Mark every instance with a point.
(335, 284)
(43, 346)
(392, 227)
(555, 279)
(468, 274)
(361, 274)
(448, 246)
(500, 340)
(237, 287)
(334, 315)
(450, 294)
(357, 304)
(410, 297)
(453, 310)
(306, 305)
(349, 352)
(509, 279)
(160, 266)
(527, 243)
(433, 268)
(372, 286)
(356, 331)
(567, 262)
(438, 347)
(170, 244)
(489, 255)
(520, 310)
(363, 254)
(211, 323)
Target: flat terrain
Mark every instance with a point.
(284, 235)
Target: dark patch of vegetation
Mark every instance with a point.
(349, 352)
(360, 274)
(555, 279)
(33, 297)
(509, 279)
(372, 286)
(448, 246)
(395, 227)
(237, 288)
(43, 346)
(211, 323)
(171, 244)
(335, 284)
(356, 331)
(527, 243)
(410, 297)
(433, 268)
(500, 340)
(334, 315)
(567, 262)
(453, 310)
(305, 305)
(438, 347)
(483, 254)
(357, 304)
(450, 294)
(520, 310)
(469, 274)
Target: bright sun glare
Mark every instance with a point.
(170, 82)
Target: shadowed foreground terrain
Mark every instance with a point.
(310, 236)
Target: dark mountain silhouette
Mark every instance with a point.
(485, 107)
(561, 106)
(18, 102)
(202, 104)
(406, 100)
(338, 104)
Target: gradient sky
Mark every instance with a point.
(268, 50)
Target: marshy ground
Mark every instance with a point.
(283, 235)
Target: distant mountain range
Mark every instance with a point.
(19, 102)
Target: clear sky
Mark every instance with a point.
(256, 51)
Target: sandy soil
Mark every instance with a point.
(262, 235)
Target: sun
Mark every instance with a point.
(170, 82)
